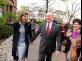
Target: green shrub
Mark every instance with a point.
(80, 27)
(71, 26)
(2, 19)
(5, 31)
(9, 14)
(30, 19)
(39, 21)
(59, 23)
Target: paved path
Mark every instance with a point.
(34, 50)
(1, 41)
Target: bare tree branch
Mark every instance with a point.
(74, 8)
(52, 3)
(49, 1)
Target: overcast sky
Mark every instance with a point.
(25, 2)
(40, 2)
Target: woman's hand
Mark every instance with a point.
(69, 34)
(63, 31)
(33, 28)
(31, 42)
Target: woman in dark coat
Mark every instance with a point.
(20, 38)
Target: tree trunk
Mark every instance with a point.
(70, 17)
(46, 6)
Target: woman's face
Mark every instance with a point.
(33, 20)
(63, 25)
(76, 25)
(24, 18)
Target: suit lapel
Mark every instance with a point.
(45, 29)
(26, 27)
(51, 31)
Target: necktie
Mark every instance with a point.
(48, 30)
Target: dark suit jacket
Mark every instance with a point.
(55, 21)
(49, 43)
(16, 26)
(67, 27)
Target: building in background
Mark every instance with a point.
(12, 7)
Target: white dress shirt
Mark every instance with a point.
(49, 26)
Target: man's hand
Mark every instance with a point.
(63, 31)
(57, 53)
(31, 42)
(33, 28)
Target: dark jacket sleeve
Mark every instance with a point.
(59, 39)
(66, 28)
(30, 32)
(61, 28)
(55, 21)
(36, 34)
(14, 27)
(67, 48)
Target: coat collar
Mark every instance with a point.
(25, 26)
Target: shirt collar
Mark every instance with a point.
(50, 24)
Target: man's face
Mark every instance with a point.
(54, 18)
(43, 21)
(49, 17)
(68, 22)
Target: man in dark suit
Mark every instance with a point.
(55, 20)
(67, 25)
(49, 32)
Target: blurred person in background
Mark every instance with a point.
(33, 26)
(63, 33)
(55, 21)
(43, 21)
(67, 25)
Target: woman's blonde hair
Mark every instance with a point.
(20, 16)
(63, 23)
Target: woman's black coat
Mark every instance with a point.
(16, 26)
